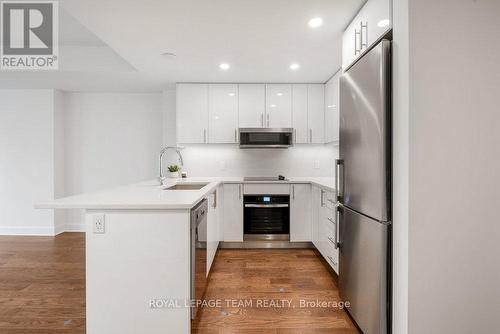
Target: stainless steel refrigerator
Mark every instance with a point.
(364, 189)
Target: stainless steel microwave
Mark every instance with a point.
(266, 137)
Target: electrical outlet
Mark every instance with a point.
(316, 164)
(98, 223)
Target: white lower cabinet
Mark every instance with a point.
(300, 212)
(220, 212)
(324, 226)
(233, 212)
(315, 211)
(213, 226)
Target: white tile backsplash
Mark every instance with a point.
(230, 160)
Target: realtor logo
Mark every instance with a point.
(29, 35)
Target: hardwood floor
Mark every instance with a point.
(291, 275)
(42, 290)
(42, 284)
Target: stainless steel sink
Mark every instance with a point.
(186, 186)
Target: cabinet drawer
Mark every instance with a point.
(330, 200)
(329, 232)
(266, 189)
(327, 243)
(332, 257)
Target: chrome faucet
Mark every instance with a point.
(177, 149)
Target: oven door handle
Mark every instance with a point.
(266, 205)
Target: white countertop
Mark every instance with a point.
(149, 195)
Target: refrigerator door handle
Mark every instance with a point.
(339, 182)
(337, 227)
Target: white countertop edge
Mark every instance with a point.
(112, 199)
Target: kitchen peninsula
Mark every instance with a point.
(138, 243)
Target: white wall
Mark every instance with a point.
(454, 227)
(111, 139)
(59, 170)
(230, 160)
(27, 160)
(401, 165)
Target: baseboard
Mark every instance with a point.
(265, 244)
(41, 231)
(74, 228)
(27, 230)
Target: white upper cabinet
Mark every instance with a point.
(223, 113)
(316, 113)
(252, 105)
(278, 106)
(332, 114)
(299, 113)
(212, 113)
(192, 113)
(373, 21)
(377, 21)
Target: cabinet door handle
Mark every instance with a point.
(239, 191)
(267, 120)
(363, 36)
(310, 135)
(337, 228)
(322, 198)
(356, 35)
(339, 182)
(205, 136)
(235, 135)
(215, 199)
(293, 191)
(262, 120)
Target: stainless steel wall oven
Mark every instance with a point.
(266, 217)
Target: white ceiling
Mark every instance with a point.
(120, 42)
(86, 64)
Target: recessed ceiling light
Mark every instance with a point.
(315, 22)
(279, 94)
(168, 54)
(383, 23)
(294, 66)
(224, 66)
(273, 106)
(231, 94)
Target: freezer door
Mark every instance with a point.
(365, 105)
(363, 280)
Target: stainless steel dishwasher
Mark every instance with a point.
(198, 253)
